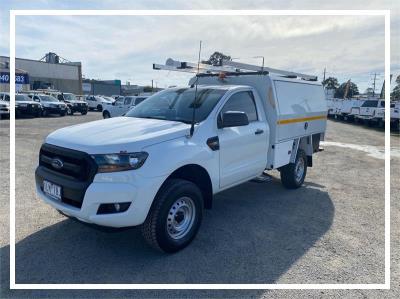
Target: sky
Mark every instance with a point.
(125, 47)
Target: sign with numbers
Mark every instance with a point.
(19, 78)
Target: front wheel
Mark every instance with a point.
(175, 216)
(69, 111)
(293, 174)
(106, 114)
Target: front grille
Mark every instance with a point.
(76, 165)
(75, 176)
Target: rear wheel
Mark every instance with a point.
(106, 114)
(293, 174)
(175, 216)
(84, 112)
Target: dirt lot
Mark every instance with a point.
(329, 231)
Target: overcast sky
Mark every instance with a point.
(125, 47)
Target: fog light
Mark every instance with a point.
(110, 208)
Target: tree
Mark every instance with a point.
(330, 83)
(147, 88)
(353, 90)
(395, 95)
(216, 58)
(369, 91)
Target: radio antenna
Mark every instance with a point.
(195, 95)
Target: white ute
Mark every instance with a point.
(121, 106)
(157, 168)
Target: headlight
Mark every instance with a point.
(120, 162)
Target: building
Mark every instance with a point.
(51, 71)
(101, 87)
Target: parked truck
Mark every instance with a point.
(162, 163)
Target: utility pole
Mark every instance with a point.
(324, 73)
(373, 92)
(151, 85)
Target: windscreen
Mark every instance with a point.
(370, 103)
(21, 97)
(69, 97)
(48, 99)
(177, 104)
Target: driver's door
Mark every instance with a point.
(243, 150)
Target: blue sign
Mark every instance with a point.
(19, 78)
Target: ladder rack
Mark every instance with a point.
(227, 66)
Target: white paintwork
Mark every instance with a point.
(4, 103)
(122, 105)
(395, 112)
(283, 153)
(242, 156)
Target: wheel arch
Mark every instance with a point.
(197, 175)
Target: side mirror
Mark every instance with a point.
(233, 119)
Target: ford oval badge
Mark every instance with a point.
(57, 163)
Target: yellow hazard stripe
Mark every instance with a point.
(297, 120)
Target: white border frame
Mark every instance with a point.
(14, 13)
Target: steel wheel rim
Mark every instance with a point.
(299, 169)
(181, 217)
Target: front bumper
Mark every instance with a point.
(105, 189)
(5, 110)
(55, 110)
(29, 109)
(79, 108)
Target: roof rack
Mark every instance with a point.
(229, 67)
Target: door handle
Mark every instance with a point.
(259, 131)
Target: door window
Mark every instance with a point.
(119, 102)
(139, 100)
(242, 101)
(128, 101)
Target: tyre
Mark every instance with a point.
(69, 111)
(38, 113)
(175, 216)
(99, 108)
(45, 113)
(293, 174)
(106, 114)
(84, 112)
(62, 113)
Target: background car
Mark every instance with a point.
(50, 105)
(96, 102)
(4, 105)
(24, 105)
(73, 103)
(121, 106)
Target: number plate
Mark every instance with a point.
(52, 190)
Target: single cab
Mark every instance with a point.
(161, 164)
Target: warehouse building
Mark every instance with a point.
(51, 71)
(101, 87)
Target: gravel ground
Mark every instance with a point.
(329, 231)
